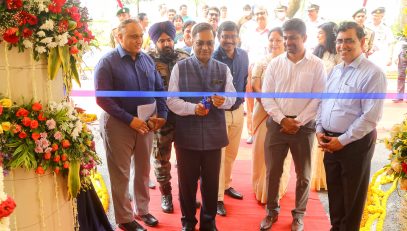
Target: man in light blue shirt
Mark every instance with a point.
(346, 127)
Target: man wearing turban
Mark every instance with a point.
(165, 57)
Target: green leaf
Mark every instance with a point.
(54, 63)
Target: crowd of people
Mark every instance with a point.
(260, 52)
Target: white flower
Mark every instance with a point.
(48, 25)
(27, 43)
(40, 49)
(41, 33)
(62, 39)
(46, 40)
(52, 45)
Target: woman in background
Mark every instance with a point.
(275, 48)
(326, 50)
(178, 23)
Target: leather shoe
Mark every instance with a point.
(297, 225)
(233, 193)
(166, 204)
(268, 221)
(132, 226)
(220, 208)
(148, 219)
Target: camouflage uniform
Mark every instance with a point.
(165, 136)
(369, 36)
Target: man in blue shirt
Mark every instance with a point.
(346, 128)
(238, 62)
(125, 133)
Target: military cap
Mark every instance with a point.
(281, 7)
(361, 10)
(123, 10)
(379, 10)
(313, 6)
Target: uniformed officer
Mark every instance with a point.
(360, 17)
(165, 57)
(122, 14)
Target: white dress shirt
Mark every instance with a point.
(183, 108)
(355, 117)
(284, 76)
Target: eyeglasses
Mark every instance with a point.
(260, 13)
(213, 14)
(209, 43)
(232, 36)
(347, 41)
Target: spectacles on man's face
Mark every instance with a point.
(213, 14)
(347, 41)
(201, 43)
(260, 13)
(228, 36)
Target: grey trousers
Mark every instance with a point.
(122, 143)
(276, 148)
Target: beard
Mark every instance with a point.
(167, 54)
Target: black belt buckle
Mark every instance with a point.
(332, 134)
(291, 116)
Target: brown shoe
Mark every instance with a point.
(268, 221)
(297, 225)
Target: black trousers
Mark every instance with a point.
(192, 166)
(347, 175)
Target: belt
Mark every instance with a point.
(291, 116)
(333, 134)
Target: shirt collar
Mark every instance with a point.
(196, 60)
(124, 53)
(356, 62)
(224, 55)
(307, 55)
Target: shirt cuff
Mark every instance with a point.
(344, 140)
(191, 108)
(278, 118)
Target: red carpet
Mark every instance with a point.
(246, 214)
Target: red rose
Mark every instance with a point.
(26, 121)
(47, 155)
(10, 35)
(404, 166)
(65, 144)
(27, 33)
(34, 124)
(40, 170)
(14, 4)
(36, 106)
(54, 147)
(57, 158)
(1, 109)
(63, 26)
(56, 170)
(22, 135)
(22, 112)
(7, 207)
(66, 164)
(41, 117)
(32, 19)
(74, 50)
(64, 157)
(35, 136)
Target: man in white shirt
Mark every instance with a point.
(291, 124)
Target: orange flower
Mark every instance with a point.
(57, 158)
(65, 144)
(40, 170)
(47, 155)
(34, 124)
(22, 112)
(36, 106)
(41, 117)
(26, 121)
(22, 135)
(35, 136)
(56, 170)
(54, 147)
(66, 164)
(64, 157)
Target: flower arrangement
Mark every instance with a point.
(48, 138)
(397, 144)
(53, 29)
(7, 205)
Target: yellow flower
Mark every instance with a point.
(6, 102)
(5, 126)
(1, 130)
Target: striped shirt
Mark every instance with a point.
(353, 117)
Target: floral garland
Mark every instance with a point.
(50, 138)
(376, 201)
(7, 205)
(101, 190)
(56, 30)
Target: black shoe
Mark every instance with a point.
(220, 209)
(397, 100)
(166, 204)
(297, 225)
(132, 226)
(211, 229)
(186, 228)
(197, 204)
(148, 219)
(233, 193)
(268, 221)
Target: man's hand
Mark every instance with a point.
(290, 126)
(217, 100)
(200, 110)
(156, 123)
(331, 144)
(139, 125)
